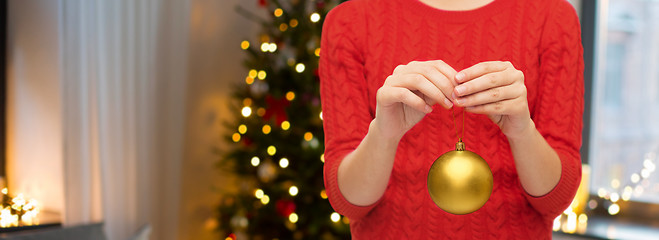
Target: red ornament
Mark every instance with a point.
(276, 108)
(285, 207)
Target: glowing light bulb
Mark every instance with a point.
(264, 47)
(290, 96)
(278, 12)
(293, 217)
(261, 75)
(242, 129)
(244, 45)
(323, 194)
(265, 199)
(266, 129)
(614, 209)
(285, 125)
(635, 178)
(308, 136)
(320, 116)
(235, 137)
(315, 17)
(272, 150)
(299, 67)
(247, 101)
(335, 217)
(283, 27)
(614, 197)
(293, 23)
(293, 191)
(252, 73)
(322, 157)
(246, 111)
(249, 80)
(272, 47)
(255, 161)
(557, 223)
(283, 163)
(259, 193)
(317, 52)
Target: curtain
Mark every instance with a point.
(123, 68)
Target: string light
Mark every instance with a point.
(317, 52)
(265, 199)
(283, 27)
(614, 197)
(249, 80)
(614, 209)
(235, 137)
(283, 163)
(335, 217)
(265, 47)
(252, 73)
(299, 67)
(308, 136)
(293, 217)
(278, 12)
(260, 112)
(255, 161)
(290, 95)
(272, 150)
(293, 191)
(242, 129)
(323, 194)
(259, 193)
(315, 17)
(293, 23)
(320, 116)
(635, 178)
(322, 157)
(285, 125)
(261, 75)
(615, 183)
(244, 45)
(21, 211)
(266, 129)
(246, 111)
(247, 101)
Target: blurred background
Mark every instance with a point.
(200, 119)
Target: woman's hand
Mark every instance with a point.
(409, 93)
(496, 89)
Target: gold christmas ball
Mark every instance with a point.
(460, 181)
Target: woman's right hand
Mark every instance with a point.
(409, 93)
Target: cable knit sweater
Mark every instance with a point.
(364, 40)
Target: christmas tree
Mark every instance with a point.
(276, 140)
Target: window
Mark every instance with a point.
(624, 123)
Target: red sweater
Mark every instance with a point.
(364, 40)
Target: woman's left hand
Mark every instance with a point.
(496, 89)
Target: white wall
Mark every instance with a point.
(34, 126)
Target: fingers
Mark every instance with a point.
(492, 95)
(388, 95)
(503, 107)
(437, 73)
(481, 69)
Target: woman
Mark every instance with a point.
(393, 75)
